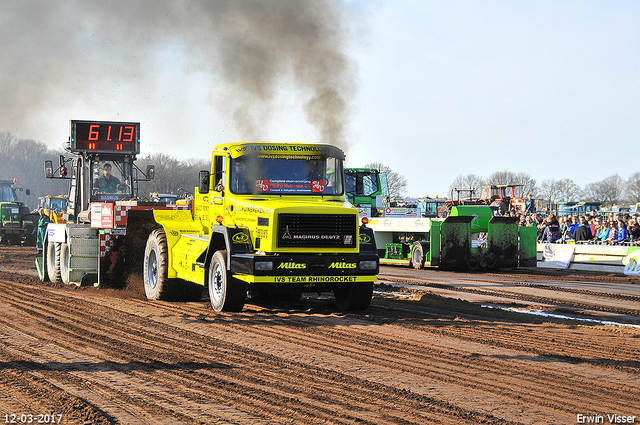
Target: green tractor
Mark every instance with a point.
(17, 224)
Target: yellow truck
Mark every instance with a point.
(266, 218)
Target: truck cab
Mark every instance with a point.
(367, 190)
(268, 218)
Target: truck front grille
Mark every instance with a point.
(317, 230)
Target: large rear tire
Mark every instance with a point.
(53, 262)
(157, 286)
(64, 262)
(417, 256)
(225, 292)
(353, 296)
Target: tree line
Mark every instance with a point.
(24, 159)
(612, 190)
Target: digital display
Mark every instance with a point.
(105, 136)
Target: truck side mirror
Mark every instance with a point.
(28, 192)
(48, 169)
(151, 172)
(203, 178)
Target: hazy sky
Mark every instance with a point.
(434, 89)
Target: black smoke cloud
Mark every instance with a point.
(62, 54)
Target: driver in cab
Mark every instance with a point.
(310, 170)
(107, 183)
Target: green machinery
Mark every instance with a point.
(17, 224)
(471, 237)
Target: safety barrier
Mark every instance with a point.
(601, 258)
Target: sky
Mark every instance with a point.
(433, 89)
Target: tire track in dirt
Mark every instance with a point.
(601, 300)
(340, 405)
(455, 375)
(428, 359)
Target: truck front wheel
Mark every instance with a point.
(156, 283)
(226, 292)
(353, 296)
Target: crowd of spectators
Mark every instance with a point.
(592, 228)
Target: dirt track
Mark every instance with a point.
(426, 351)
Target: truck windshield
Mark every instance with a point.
(7, 194)
(290, 175)
(111, 181)
(58, 204)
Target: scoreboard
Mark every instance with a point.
(105, 137)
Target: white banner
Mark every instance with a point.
(558, 254)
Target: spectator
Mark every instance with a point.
(564, 225)
(613, 233)
(551, 232)
(583, 232)
(540, 224)
(530, 205)
(575, 223)
(593, 225)
(603, 232)
(633, 229)
(621, 237)
(567, 233)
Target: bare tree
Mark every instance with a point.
(167, 174)
(568, 190)
(397, 183)
(609, 191)
(466, 186)
(550, 191)
(502, 177)
(529, 185)
(23, 159)
(632, 192)
(171, 175)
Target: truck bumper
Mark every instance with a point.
(305, 269)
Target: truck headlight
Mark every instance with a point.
(368, 265)
(263, 266)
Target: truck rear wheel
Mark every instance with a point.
(225, 292)
(157, 285)
(353, 296)
(53, 262)
(64, 262)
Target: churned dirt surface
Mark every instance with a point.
(434, 347)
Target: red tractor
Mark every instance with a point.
(501, 197)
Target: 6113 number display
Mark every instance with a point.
(105, 136)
